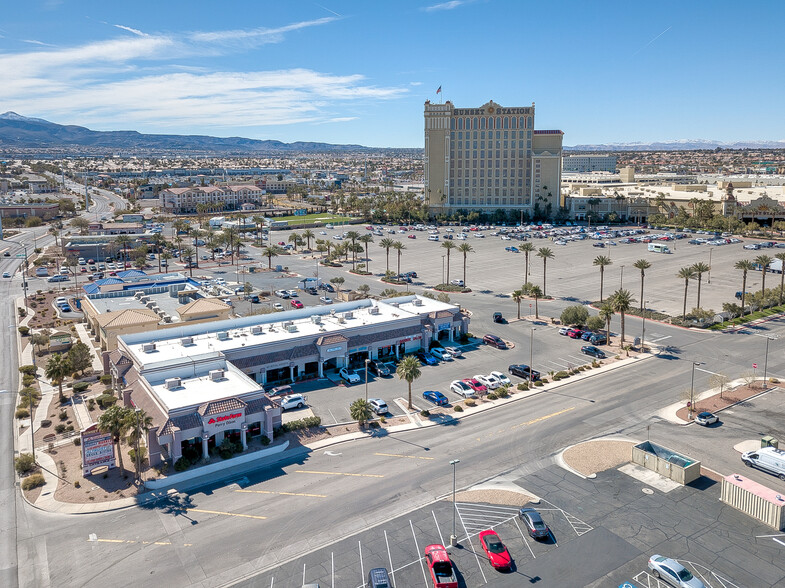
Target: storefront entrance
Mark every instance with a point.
(311, 369)
(277, 375)
(357, 359)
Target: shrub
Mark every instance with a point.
(425, 413)
(80, 387)
(28, 380)
(24, 463)
(560, 375)
(77, 441)
(382, 419)
(523, 386)
(77, 484)
(458, 408)
(22, 413)
(265, 440)
(538, 383)
(63, 416)
(595, 323)
(544, 380)
(106, 400)
(46, 423)
(33, 481)
(59, 429)
(91, 404)
(142, 455)
(182, 464)
(470, 402)
(491, 396)
(69, 427)
(27, 369)
(502, 392)
(574, 315)
(106, 379)
(24, 331)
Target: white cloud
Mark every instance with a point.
(258, 35)
(445, 6)
(415, 83)
(130, 30)
(34, 42)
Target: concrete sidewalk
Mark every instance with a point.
(84, 337)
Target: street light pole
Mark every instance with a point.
(453, 537)
(531, 355)
(710, 250)
(692, 389)
(766, 363)
(138, 466)
(643, 327)
(367, 361)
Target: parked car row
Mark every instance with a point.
(595, 338)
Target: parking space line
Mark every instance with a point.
(283, 493)
(338, 474)
(441, 537)
(303, 574)
(469, 539)
(417, 547)
(778, 541)
(271, 581)
(524, 539)
(332, 569)
(389, 556)
(362, 568)
(404, 456)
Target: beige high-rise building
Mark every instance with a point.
(490, 158)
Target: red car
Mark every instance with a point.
(574, 333)
(296, 304)
(412, 236)
(495, 550)
(440, 566)
(475, 385)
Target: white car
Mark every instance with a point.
(292, 293)
(293, 401)
(706, 418)
(378, 405)
(461, 237)
(278, 306)
(338, 237)
(503, 379)
(350, 377)
(322, 232)
(488, 381)
(457, 283)
(506, 238)
(461, 388)
(454, 351)
(442, 354)
(673, 572)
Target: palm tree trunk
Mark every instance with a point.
(699, 291)
(519, 310)
(410, 396)
(641, 291)
(684, 310)
(602, 278)
(782, 281)
(608, 331)
(544, 271)
(399, 263)
(536, 308)
(763, 280)
(448, 266)
(526, 274)
(743, 291)
(464, 270)
(622, 328)
(119, 454)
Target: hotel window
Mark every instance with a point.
(482, 154)
(514, 124)
(498, 134)
(506, 123)
(482, 123)
(474, 135)
(482, 183)
(482, 144)
(520, 200)
(504, 201)
(529, 124)
(452, 123)
(482, 201)
(474, 123)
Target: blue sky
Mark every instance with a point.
(359, 71)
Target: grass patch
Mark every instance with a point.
(322, 217)
(450, 288)
(758, 314)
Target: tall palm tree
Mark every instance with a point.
(269, 252)
(537, 294)
(465, 248)
(621, 301)
(781, 257)
(449, 246)
(117, 421)
(196, 234)
(142, 422)
(686, 274)
(187, 253)
(606, 314)
(409, 370)
(399, 247)
(602, 261)
(57, 369)
(527, 248)
(308, 234)
(123, 241)
(386, 244)
(643, 265)
(764, 261)
(294, 238)
(353, 236)
(700, 268)
(745, 265)
(365, 239)
(545, 253)
(517, 297)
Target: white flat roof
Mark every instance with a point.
(199, 390)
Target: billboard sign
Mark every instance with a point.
(97, 450)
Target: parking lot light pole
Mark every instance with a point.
(453, 537)
(443, 269)
(643, 327)
(531, 356)
(367, 361)
(692, 389)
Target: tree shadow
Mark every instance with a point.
(444, 419)
(668, 352)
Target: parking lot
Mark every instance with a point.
(603, 533)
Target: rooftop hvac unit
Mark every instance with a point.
(417, 302)
(348, 315)
(287, 324)
(216, 375)
(316, 319)
(291, 328)
(373, 310)
(395, 304)
(341, 320)
(186, 341)
(172, 383)
(148, 347)
(167, 318)
(222, 335)
(332, 312)
(257, 330)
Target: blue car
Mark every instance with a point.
(586, 335)
(511, 249)
(436, 397)
(426, 358)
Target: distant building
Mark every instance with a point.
(589, 163)
(45, 211)
(490, 158)
(214, 198)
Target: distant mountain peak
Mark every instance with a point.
(11, 115)
(678, 145)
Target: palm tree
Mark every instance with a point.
(57, 369)
(465, 248)
(308, 234)
(745, 265)
(386, 244)
(117, 421)
(399, 247)
(142, 422)
(621, 301)
(449, 246)
(294, 238)
(602, 261)
(187, 253)
(123, 241)
(196, 234)
(686, 274)
(527, 248)
(537, 293)
(409, 370)
(365, 239)
(764, 261)
(643, 265)
(781, 257)
(269, 252)
(606, 313)
(517, 296)
(545, 253)
(353, 236)
(700, 268)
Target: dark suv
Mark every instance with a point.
(524, 371)
(379, 368)
(494, 341)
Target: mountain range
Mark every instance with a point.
(21, 132)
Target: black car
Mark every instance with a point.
(523, 371)
(313, 291)
(6, 254)
(593, 351)
(598, 339)
(326, 287)
(534, 524)
(379, 368)
(498, 318)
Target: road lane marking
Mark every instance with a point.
(338, 474)
(399, 455)
(543, 418)
(661, 339)
(133, 541)
(228, 514)
(283, 493)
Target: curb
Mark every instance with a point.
(766, 391)
(559, 457)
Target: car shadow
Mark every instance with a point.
(444, 419)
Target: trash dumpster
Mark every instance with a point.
(769, 441)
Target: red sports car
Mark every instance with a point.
(495, 550)
(412, 236)
(440, 567)
(475, 385)
(296, 304)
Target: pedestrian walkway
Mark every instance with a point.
(84, 337)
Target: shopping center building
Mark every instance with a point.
(203, 382)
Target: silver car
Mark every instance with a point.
(673, 572)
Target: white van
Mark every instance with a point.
(768, 459)
(659, 248)
(433, 237)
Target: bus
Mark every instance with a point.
(659, 248)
